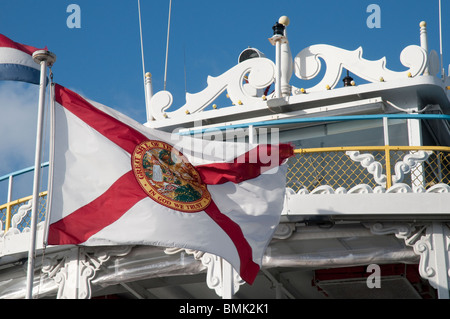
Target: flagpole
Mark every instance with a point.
(44, 58)
(440, 41)
(51, 156)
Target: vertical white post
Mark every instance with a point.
(287, 68)
(72, 291)
(10, 188)
(287, 64)
(424, 42)
(386, 130)
(283, 58)
(227, 280)
(148, 95)
(251, 134)
(44, 58)
(9, 199)
(440, 41)
(278, 68)
(415, 139)
(441, 262)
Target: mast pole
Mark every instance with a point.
(440, 41)
(44, 58)
(167, 45)
(148, 90)
(140, 33)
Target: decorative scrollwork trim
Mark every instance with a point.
(408, 163)
(366, 189)
(213, 263)
(242, 83)
(373, 167)
(74, 269)
(308, 65)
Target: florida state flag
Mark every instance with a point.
(117, 182)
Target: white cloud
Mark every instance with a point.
(18, 113)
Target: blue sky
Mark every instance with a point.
(102, 59)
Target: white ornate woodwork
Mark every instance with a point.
(241, 82)
(323, 189)
(16, 219)
(215, 270)
(22, 212)
(373, 167)
(431, 242)
(308, 65)
(75, 268)
(216, 278)
(246, 81)
(366, 189)
(434, 250)
(408, 163)
(439, 188)
(401, 230)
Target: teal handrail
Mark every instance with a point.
(321, 119)
(22, 171)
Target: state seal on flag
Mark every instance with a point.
(168, 178)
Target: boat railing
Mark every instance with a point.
(369, 168)
(17, 214)
(351, 169)
(11, 207)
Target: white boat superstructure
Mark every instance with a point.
(366, 209)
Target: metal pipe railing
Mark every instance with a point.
(9, 202)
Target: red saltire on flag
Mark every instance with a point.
(117, 182)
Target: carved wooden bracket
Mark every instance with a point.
(215, 269)
(74, 269)
(431, 242)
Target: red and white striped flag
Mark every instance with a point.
(117, 182)
(16, 62)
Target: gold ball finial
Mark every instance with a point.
(148, 75)
(284, 20)
(423, 24)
